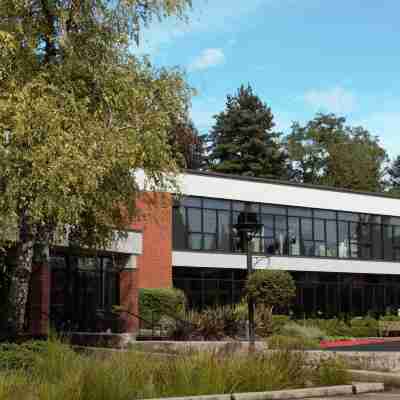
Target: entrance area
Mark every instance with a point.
(85, 290)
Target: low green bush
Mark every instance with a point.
(20, 356)
(156, 303)
(281, 342)
(364, 327)
(330, 371)
(305, 331)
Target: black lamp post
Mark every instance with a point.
(247, 227)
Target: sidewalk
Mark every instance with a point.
(370, 396)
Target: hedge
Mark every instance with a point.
(156, 303)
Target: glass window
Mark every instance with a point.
(319, 229)
(194, 219)
(194, 241)
(344, 247)
(268, 225)
(387, 242)
(377, 241)
(354, 250)
(354, 231)
(320, 249)
(324, 214)
(209, 221)
(275, 210)
(294, 236)
(281, 235)
(365, 233)
(306, 229)
(179, 228)
(238, 205)
(191, 202)
(224, 230)
(270, 246)
(210, 242)
(217, 204)
(396, 235)
(347, 216)
(307, 248)
(300, 212)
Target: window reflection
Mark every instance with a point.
(208, 224)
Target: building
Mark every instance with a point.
(342, 248)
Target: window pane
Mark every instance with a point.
(179, 228)
(320, 249)
(223, 231)
(238, 205)
(307, 249)
(331, 249)
(268, 225)
(365, 252)
(195, 241)
(344, 247)
(194, 216)
(331, 234)
(210, 242)
(346, 216)
(319, 229)
(396, 235)
(387, 242)
(300, 212)
(324, 214)
(354, 250)
(191, 202)
(354, 231)
(365, 233)
(294, 236)
(281, 235)
(377, 241)
(209, 221)
(217, 204)
(266, 209)
(270, 246)
(306, 229)
(390, 220)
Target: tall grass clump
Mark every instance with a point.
(59, 372)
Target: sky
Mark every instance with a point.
(300, 56)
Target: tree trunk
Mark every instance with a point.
(20, 281)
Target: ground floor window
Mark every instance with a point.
(83, 292)
(319, 294)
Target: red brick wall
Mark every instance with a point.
(154, 266)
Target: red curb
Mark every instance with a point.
(326, 344)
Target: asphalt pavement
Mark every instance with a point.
(388, 346)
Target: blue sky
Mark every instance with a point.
(300, 56)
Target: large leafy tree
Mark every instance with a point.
(326, 151)
(79, 114)
(393, 173)
(243, 141)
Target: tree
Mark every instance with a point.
(187, 144)
(326, 151)
(79, 114)
(271, 288)
(394, 177)
(243, 142)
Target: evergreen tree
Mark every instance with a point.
(243, 142)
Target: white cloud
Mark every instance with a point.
(207, 59)
(337, 100)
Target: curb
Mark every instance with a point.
(327, 344)
(388, 378)
(340, 390)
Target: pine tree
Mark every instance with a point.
(243, 142)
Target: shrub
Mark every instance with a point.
(305, 331)
(329, 372)
(154, 303)
(20, 356)
(364, 327)
(281, 342)
(272, 288)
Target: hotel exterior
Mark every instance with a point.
(341, 247)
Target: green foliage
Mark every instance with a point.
(332, 371)
(364, 327)
(59, 372)
(20, 357)
(273, 288)
(308, 332)
(283, 342)
(80, 115)
(156, 303)
(326, 151)
(243, 142)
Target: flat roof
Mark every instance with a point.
(288, 183)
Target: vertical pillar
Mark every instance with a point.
(129, 296)
(39, 310)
